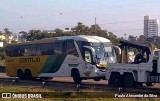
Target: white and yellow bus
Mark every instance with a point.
(80, 57)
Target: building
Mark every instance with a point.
(49, 31)
(150, 27)
(2, 37)
(68, 30)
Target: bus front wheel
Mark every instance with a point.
(149, 84)
(115, 80)
(28, 74)
(20, 74)
(76, 76)
(97, 79)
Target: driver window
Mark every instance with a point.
(88, 57)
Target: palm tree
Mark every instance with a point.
(7, 34)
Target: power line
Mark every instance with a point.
(121, 22)
(43, 28)
(126, 30)
(89, 25)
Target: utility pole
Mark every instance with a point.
(95, 27)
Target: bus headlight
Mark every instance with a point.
(101, 65)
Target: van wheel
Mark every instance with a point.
(129, 81)
(20, 74)
(76, 77)
(115, 80)
(28, 74)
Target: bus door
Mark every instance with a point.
(72, 57)
(88, 57)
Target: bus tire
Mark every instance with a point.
(47, 78)
(97, 79)
(20, 74)
(28, 74)
(129, 81)
(149, 84)
(115, 80)
(76, 76)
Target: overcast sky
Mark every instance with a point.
(117, 16)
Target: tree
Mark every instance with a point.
(23, 35)
(141, 40)
(113, 38)
(80, 28)
(7, 32)
(34, 35)
(95, 29)
(132, 38)
(59, 32)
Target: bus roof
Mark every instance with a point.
(76, 38)
(85, 38)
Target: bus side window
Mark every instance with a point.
(71, 49)
(9, 51)
(81, 48)
(40, 48)
(26, 52)
(32, 49)
(45, 49)
(21, 50)
(38, 52)
(58, 48)
(16, 51)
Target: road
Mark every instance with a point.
(66, 84)
(5, 80)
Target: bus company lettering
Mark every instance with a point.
(26, 60)
(10, 60)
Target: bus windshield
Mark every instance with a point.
(104, 52)
(109, 51)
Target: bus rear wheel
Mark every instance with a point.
(28, 74)
(20, 74)
(129, 81)
(47, 78)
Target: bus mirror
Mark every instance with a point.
(117, 49)
(91, 49)
(89, 53)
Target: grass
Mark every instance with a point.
(86, 95)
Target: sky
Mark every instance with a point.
(117, 16)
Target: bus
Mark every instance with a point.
(81, 57)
